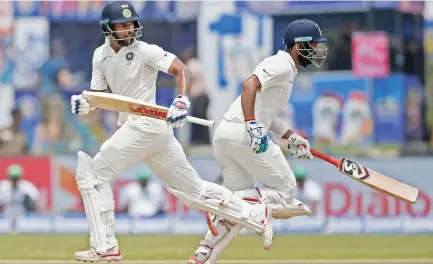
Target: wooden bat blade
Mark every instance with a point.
(114, 102)
(372, 178)
(119, 103)
(378, 181)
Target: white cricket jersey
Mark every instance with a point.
(276, 74)
(130, 72)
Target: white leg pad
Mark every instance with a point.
(281, 209)
(98, 204)
(223, 243)
(224, 238)
(219, 201)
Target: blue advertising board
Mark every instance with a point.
(413, 111)
(339, 108)
(333, 108)
(388, 104)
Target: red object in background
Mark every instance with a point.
(371, 203)
(370, 54)
(36, 170)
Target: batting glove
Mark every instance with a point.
(299, 147)
(177, 113)
(80, 106)
(258, 136)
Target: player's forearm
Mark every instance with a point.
(279, 128)
(248, 100)
(183, 79)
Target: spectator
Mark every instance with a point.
(13, 141)
(54, 132)
(143, 198)
(17, 196)
(199, 98)
(309, 191)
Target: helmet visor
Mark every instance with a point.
(315, 50)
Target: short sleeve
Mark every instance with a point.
(98, 82)
(272, 73)
(157, 58)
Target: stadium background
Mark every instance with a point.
(40, 38)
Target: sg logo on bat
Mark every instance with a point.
(353, 169)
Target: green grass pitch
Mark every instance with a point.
(164, 247)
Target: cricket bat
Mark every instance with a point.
(115, 102)
(371, 178)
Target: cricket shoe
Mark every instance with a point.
(113, 254)
(202, 254)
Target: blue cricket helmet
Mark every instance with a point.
(302, 30)
(118, 12)
(305, 31)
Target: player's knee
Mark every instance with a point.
(104, 165)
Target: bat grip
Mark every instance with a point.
(325, 157)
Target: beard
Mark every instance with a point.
(126, 42)
(304, 56)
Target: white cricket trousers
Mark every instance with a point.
(152, 141)
(241, 167)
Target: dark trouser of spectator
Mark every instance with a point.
(200, 134)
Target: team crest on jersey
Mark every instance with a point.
(129, 56)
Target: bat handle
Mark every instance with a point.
(325, 157)
(199, 121)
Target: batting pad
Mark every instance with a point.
(281, 209)
(98, 204)
(220, 201)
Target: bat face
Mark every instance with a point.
(378, 181)
(147, 111)
(353, 169)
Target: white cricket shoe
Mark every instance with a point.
(113, 254)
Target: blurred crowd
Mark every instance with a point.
(57, 131)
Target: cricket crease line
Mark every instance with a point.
(246, 261)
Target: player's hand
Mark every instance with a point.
(299, 147)
(80, 106)
(258, 136)
(177, 113)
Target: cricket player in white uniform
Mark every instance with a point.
(129, 67)
(241, 142)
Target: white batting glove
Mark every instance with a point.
(178, 110)
(80, 106)
(258, 136)
(299, 147)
